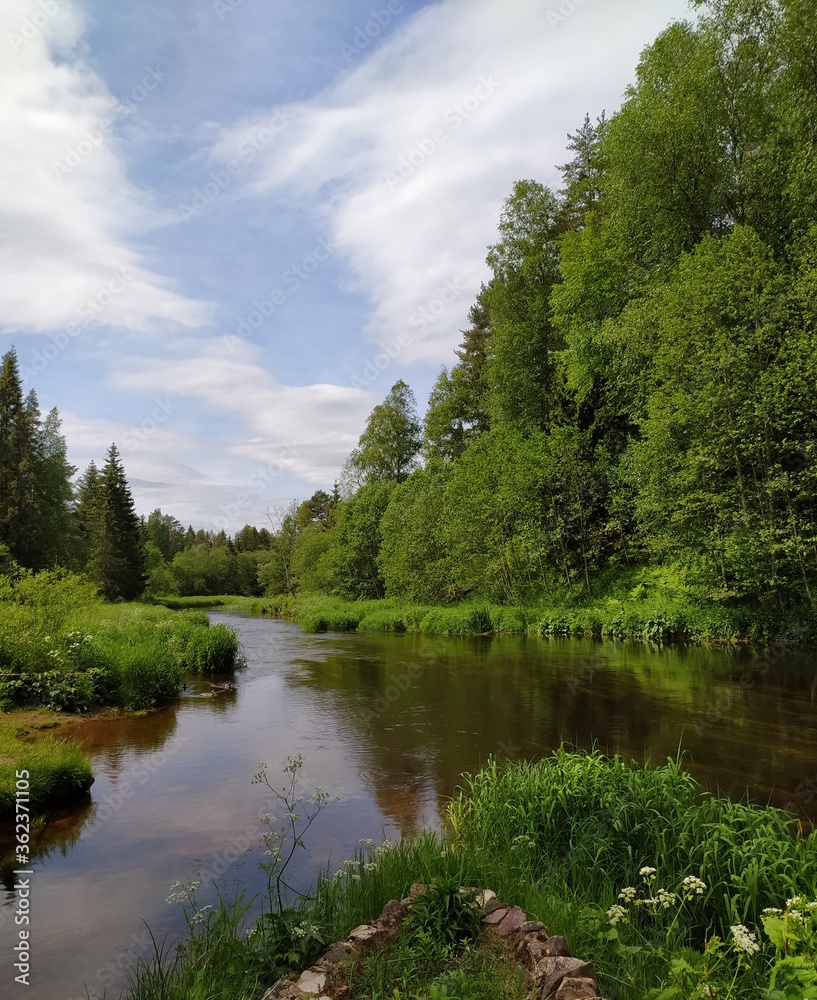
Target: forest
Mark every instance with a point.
(632, 399)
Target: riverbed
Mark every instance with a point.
(388, 722)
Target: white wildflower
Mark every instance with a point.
(616, 913)
(628, 894)
(647, 872)
(665, 898)
(745, 941)
(198, 916)
(694, 886)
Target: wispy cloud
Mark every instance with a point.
(72, 220)
(410, 155)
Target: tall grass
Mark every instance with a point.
(72, 652)
(56, 768)
(653, 604)
(598, 821)
(559, 838)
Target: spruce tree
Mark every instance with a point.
(116, 557)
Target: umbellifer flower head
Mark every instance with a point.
(744, 940)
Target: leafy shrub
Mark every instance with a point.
(74, 691)
(443, 914)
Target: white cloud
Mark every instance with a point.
(69, 216)
(291, 439)
(412, 153)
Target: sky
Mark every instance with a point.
(228, 227)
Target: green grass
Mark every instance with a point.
(647, 604)
(224, 602)
(560, 838)
(56, 768)
(66, 649)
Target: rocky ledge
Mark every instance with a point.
(553, 972)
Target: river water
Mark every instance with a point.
(389, 722)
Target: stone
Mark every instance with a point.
(495, 916)
(512, 920)
(533, 948)
(484, 898)
(390, 918)
(494, 904)
(339, 952)
(552, 969)
(363, 933)
(529, 926)
(556, 945)
(574, 988)
(311, 982)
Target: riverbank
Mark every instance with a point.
(57, 768)
(644, 613)
(65, 651)
(660, 886)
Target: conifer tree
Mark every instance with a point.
(106, 512)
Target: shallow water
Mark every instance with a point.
(390, 722)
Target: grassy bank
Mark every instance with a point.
(641, 605)
(57, 769)
(223, 602)
(65, 650)
(661, 886)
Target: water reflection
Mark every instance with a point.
(417, 712)
(390, 721)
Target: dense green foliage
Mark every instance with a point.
(635, 386)
(72, 652)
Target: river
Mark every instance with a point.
(389, 722)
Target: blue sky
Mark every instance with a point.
(227, 227)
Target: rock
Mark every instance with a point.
(390, 918)
(311, 982)
(552, 969)
(494, 904)
(532, 948)
(512, 920)
(484, 898)
(339, 952)
(573, 988)
(529, 926)
(495, 916)
(556, 945)
(363, 933)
